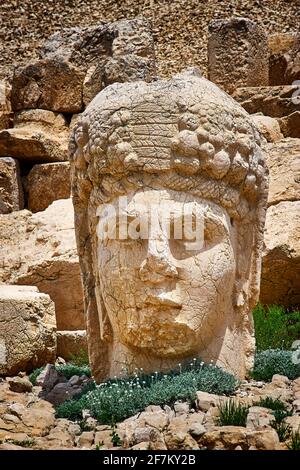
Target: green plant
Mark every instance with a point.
(294, 443)
(84, 426)
(122, 398)
(115, 438)
(80, 359)
(34, 375)
(25, 443)
(283, 430)
(99, 445)
(275, 328)
(274, 361)
(272, 403)
(69, 369)
(232, 413)
(280, 415)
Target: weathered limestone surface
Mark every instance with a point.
(38, 136)
(290, 125)
(274, 101)
(27, 329)
(39, 249)
(76, 63)
(280, 45)
(52, 84)
(237, 54)
(71, 343)
(283, 160)
(5, 106)
(293, 69)
(280, 277)
(151, 301)
(269, 127)
(47, 183)
(11, 191)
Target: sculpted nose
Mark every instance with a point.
(157, 266)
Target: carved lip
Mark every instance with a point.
(163, 299)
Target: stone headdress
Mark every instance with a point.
(184, 134)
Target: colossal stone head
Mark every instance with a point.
(147, 159)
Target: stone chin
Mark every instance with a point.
(161, 334)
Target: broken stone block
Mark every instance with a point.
(46, 183)
(11, 191)
(237, 54)
(280, 44)
(273, 101)
(280, 277)
(38, 136)
(51, 84)
(71, 343)
(283, 159)
(268, 127)
(40, 249)
(27, 329)
(290, 125)
(5, 105)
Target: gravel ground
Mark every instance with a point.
(180, 27)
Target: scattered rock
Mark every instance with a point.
(280, 44)
(86, 439)
(50, 83)
(38, 136)
(280, 278)
(47, 183)
(49, 377)
(27, 335)
(11, 191)
(268, 127)
(273, 101)
(40, 249)
(283, 159)
(237, 53)
(5, 106)
(259, 418)
(20, 385)
(290, 125)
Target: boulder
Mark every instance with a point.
(268, 127)
(280, 277)
(52, 84)
(259, 418)
(290, 125)
(38, 136)
(76, 63)
(20, 384)
(273, 101)
(280, 44)
(62, 392)
(40, 249)
(11, 191)
(205, 401)
(5, 106)
(46, 183)
(49, 377)
(283, 159)
(293, 70)
(237, 53)
(71, 343)
(27, 333)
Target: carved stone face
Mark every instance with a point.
(161, 296)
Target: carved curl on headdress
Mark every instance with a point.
(184, 134)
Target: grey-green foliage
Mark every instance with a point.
(120, 399)
(68, 370)
(232, 413)
(275, 328)
(274, 361)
